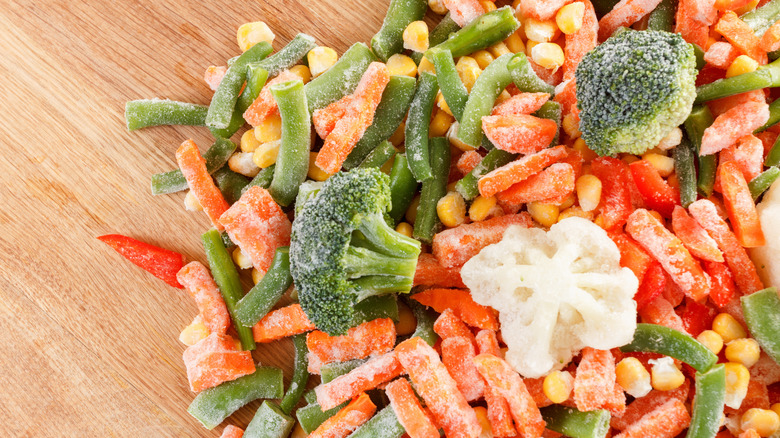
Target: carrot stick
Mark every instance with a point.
(721, 54)
(732, 125)
(352, 416)
(325, 119)
(748, 153)
(462, 305)
(497, 409)
(595, 381)
(455, 246)
(694, 237)
(580, 42)
(464, 12)
(625, 13)
(457, 354)
(193, 166)
(644, 405)
(542, 9)
(232, 432)
(691, 25)
(660, 311)
(519, 134)
(367, 339)
(198, 282)
(740, 206)
(665, 421)
(770, 41)
(447, 325)
(555, 182)
(741, 36)
(468, 161)
(214, 360)
(523, 103)
(408, 410)
(720, 106)
(367, 376)
(505, 176)
(265, 104)
(430, 272)
(282, 323)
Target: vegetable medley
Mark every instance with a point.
(534, 219)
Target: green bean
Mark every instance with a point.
(427, 221)
(489, 85)
(417, 124)
(525, 78)
(389, 40)
(488, 29)
(446, 27)
(173, 180)
(312, 416)
(670, 342)
(576, 424)
(662, 17)
(774, 116)
(762, 314)
(685, 168)
(773, 157)
(452, 88)
(698, 53)
(467, 186)
(341, 79)
(699, 120)
(379, 306)
(263, 178)
(388, 117)
(551, 110)
(288, 56)
(766, 76)
(403, 186)
(255, 80)
(384, 424)
(157, 112)
(708, 402)
(269, 422)
(213, 405)
(425, 319)
(310, 397)
(380, 155)
(292, 162)
(300, 375)
(761, 19)
(226, 95)
(762, 182)
(226, 240)
(226, 277)
(266, 293)
(230, 183)
(329, 371)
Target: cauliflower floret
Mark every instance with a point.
(767, 257)
(556, 292)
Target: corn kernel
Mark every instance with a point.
(320, 59)
(515, 43)
(567, 202)
(728, 328)
(249, 142)
(411, 212)
(575, 211)
(571, 125)
(468, 70)
(398, 136)
(401, 65)
(711, 340)
(663, 164)
(269, 129)
(265, 155)
(587, 154)
(442, 104)
(776, 407)
(407, 323)
(529, 47)
(483, 58)
(498, 49)
(257, 275)
(545, 214)
(194, 333)
(588, 192)
(633, 377)
(451, 186)
(437, 6)
(557, 386)
(452, 136)
(741, 65)
(302, 72)
(440, 124)
(657, 216)
(242, 162)
(191, 203)
(416, 36)
(569, 17)
(745, 351)
(628, 158)
(404, 229)
(540, 31)
(240, 259)
(548, 55)
(737, 380)
(747, 8)
(480, 208)
(315, 172)
(426, 66)
(250, 34)
(672, 139)
(488, 5)
(451, 209)
(298, 432)
(665, 375)
(764, 421)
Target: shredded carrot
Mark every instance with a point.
(770, 41)
(457, 354)
(580, 42)
(462, 305)
(325, 119)
(595, 382)
(550, 185)
(232, 432)
(282, 323)
(497, 409)
(367, 376)
(368, 339)
(694, 237)
(193, 166)
(505, 176)
(198, 282)
(214, 360)
(349, 418)
(740, 206)
(447, 325)
(625, 13)
(721, 54)
(464, 12)
(542, 9)
(523, 103)
(265, 104)
(408, 410)
(430, 272)
(741, 36)
(644, 405)
(519, 134)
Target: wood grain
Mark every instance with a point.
(90, 342)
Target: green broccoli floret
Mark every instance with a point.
(342, 250)
(633, 89)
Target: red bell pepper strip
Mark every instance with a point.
(651, 285)
(160, 262)
(615, 193)
(657, 194)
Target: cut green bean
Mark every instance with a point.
(384, 424)
(310, 397)
(389, 40)
(427, 223)
(774, 116)
(262, 179)
(267, 292)
(699, 120)
(525, 78)
(761, 19)
(403, 186)
(483, 32)
(655, 338)
(417, 124)
(708, 403)
(158, 112)
(762, 182)
(292, 162)
(226, 240)
(230, 183)
(255, 80)
(300, 375)
(213, 405)
(173, 181)
(330, 371)
(425, 319)
(312, 416)
(551, 110)
(379, 306)
(226, 95)
(662, 17)
(685, 168)
(766, 76)
(773, 157)
(762, 314)
(484, 93)
(269, 422)
(441, 33)
(576, 424)
(467, 186)
(226, 277)
(288, 56)
(341, 79)
(380, 155)
(452, 88)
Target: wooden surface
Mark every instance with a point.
(89, 343)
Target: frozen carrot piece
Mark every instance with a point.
(265, 104)
(214, 360)
(497, 409)
(447, 325)
(282, 323)
(661, 312)
(555, 182)
(409, 411)
(750, 433)
(741, 36)
(519, 134)
(651, 286)
(500, 375)
(368, 339)
(694, 237)
(450, 409)
(464, 12)
(595, 380)
(213, 75)
(657, 194)
(193, 166)
(455, 246)
(616, 180)
(505, 176)
(523, 103)
(720, 106)
(542, 9)
(770, 41)
(258, 226)
(349, 418)
(740, 206)
(731, 5)
(665, 421)
(644, 405)
(468, 161)
(457, 354)
(325, 119)
(567, 96)
(625, 13)
(580, 42)
(721, 54)
(702, 11)
(692, 24)
(461, 304)
(632, 256)
(232, 432)
(430, 272)
(748, 154)
(723, 287)
(198, 282)
(367, 376)
(757, 396)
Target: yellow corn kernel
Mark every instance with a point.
(191, 203)
(243, 163)
(569, 17)
(571, 124)
(269, 129)
(483, 58)
(442, 104)
(398, 136)
(404, 229)
(440, 124)
(250, 34)
(451, 186)
(249, 142)
(665, 376)
(575, 211)
(711, 340)
(498, 49)
(437, 6)
(633, 377)
(194, 333)
(764, 421)
(265, 155)
(588, 192)
(545, 214)
(315, 172)
(567, 202)
(776, 407)
(581, 147)
(298, 432)
(515, 43)
(257, 275)
(745, 351)
(411, 212)
(540, 31)
(488, 5)
(557, 386)
(416, 36)
(320, 59)
(486, 431)
(658, 216)
(741, 65)
(401, 65)
(503, 97)
(452, 136)
(302, 72)
(628, 158)
(548, 55)
(451, 209)
(737, 380)
(728, 328)
(407, 323)
(747, 8)
(468, 70)
(663, 164)
(529, 47)
(240, 259)
(426, 66)
(480, 208)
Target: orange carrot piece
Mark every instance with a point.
(282, 323)
(325, 119)
(748, 154)
(523, 103)
(665, 421)
(447, 325)
(519, 134)
(198, 282)
(730, 5)
(670, 252)
(497, 409)
(430, 272)
(644, 405)
(508, 383)
(455, 246)
(567, 96)
(358, 116)
(625, 13)
(734, 124)
(688, 27)
(232, 432)
(464, 12)
(457, 354)
(213, 75)
(750, 433)
(555, 182)
(580, 42)
(745, 275)
(661, 312)
(741, 36)
(352, 416)
(721, 54)
(694, 237)
(505, 176)
(740, 206)
(770, 41)
(536, 389)
(367, 376)
(595, 381)
(265, 105)
(701, 11)
(193, 166)
(757, 397)
(632, 256)
(542, 9)
(468, 161)
(214, 360)
(258, 226)
(462, 305)
(720, 106)
(368, 339)
(409, 411)
(435, 385)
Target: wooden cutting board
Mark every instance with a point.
(89, 343)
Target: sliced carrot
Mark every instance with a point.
(232, 432)
(258, 226)
(661, 312)
(580, 42)
(447, 325)
(408, 410)
(616, 180)
(455, 246)
(740, 206)
(457, 354)
(349, 418)
(552, 77)
(464, 12)
(632, 256)
(542, 9)
(702, 11)
(430, 272)
(665, 421)
(193, 166)
(468, 161)
(766, 371)
(731, 5)
(519, 134)
(523, 103)
(768, 139)
(595, 380)
(367, 376)
(213, 75)
(721, 54)
(461, 304)
(688, 27)
(282, 323)
(555, 182)
(770, 41)
(498, 412)
(748, 154)
(449, 407)
(750, 433)
(656, 192)
(536, 389)
(720, 106)
(265, 104)
(505, 176)
(567, 96)
(508, 383)
(624, 14)
(368, 339)
(325, 119)
(651, 286)
(741, 36)
(694, 237)
(723, 287)
(644, 405)
(198, 282)
(215, 360)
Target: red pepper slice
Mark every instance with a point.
(651, 287)
(657, 194)
(615, 193)
(723, 288)
(160, 262)
(697, 317)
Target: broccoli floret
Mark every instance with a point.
(342, 250)
(633, 89)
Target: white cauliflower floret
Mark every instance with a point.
(556, 292)
(767, 257)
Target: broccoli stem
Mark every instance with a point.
(765, 76)
(386, 240)
(374, 285)
(361, 262)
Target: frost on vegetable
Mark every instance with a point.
(556, 292)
